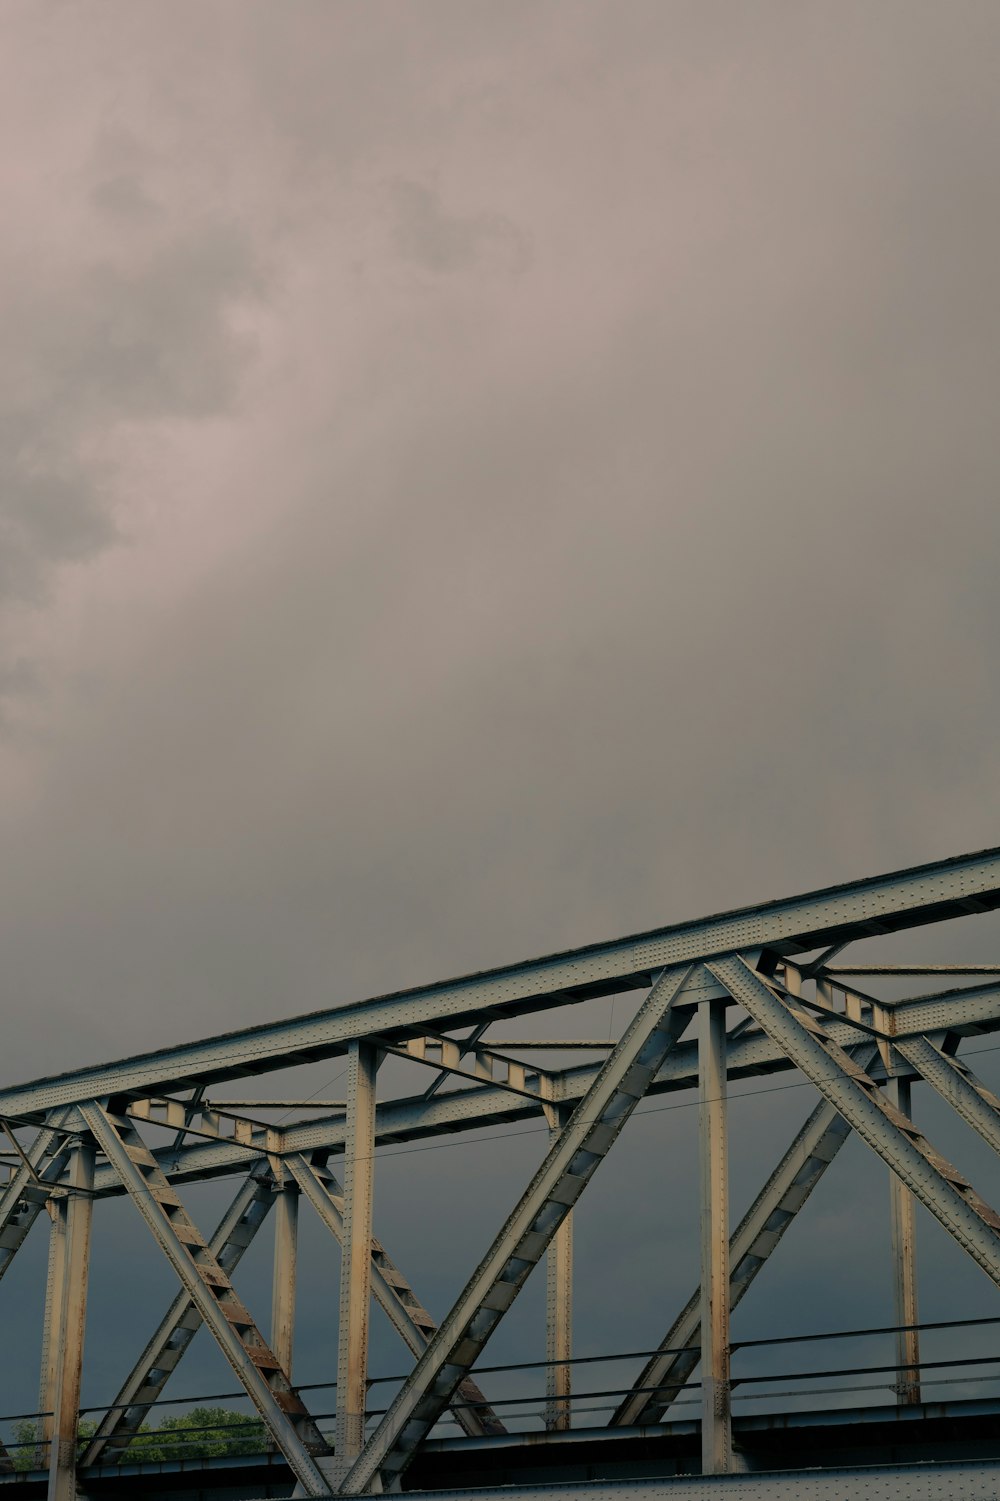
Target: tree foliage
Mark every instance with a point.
(202, 1433)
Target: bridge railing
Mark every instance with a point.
(201, 1431)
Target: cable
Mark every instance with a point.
(241, 1430)
(614, 1356)
(312, 1096)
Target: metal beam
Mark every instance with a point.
(555, 1044)
(559, 1328)
(938, 1185)
(558, 1305)
(283, 1280)
(970, 1010)
(955, 1082)
(145, 1382)
(913, 969)
(71, 1319)
(54, 1281)
(25, 1196)
(392, 1292)
(210, 1289)
(964, 1009)
(416, 1047)
(356, 1256)
(904, 1267)
(906, 898)
(753, 1241)
(563, 1175)
(148, 1378)
(713, 1154)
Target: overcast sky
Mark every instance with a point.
(479, 478)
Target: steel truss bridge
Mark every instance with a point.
(734, 996)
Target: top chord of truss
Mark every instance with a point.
(834, 915)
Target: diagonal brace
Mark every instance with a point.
(751, 1244)
(938, 1185)
(391, 1290)
(955, 1082)
(564, 1173)
(145, 1382)
(24, 1197)
(212, 1293)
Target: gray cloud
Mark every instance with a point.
(439, 241)
(147, 343)
(132, 328)
(466, 615)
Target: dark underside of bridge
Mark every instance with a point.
(840, 1437)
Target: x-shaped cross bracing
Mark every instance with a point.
(239, 1225)
(851, 1099)
(692, 968)
(846, 1087)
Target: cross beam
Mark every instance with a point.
(971, 1010)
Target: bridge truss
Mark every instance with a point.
(741, 994)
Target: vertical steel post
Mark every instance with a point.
(558, 1310)
(716, 1419)
(286, 1231)
(71, 1318)
(904, 1269)
(562, 1176)
(53, 1302)
(355, 1265)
